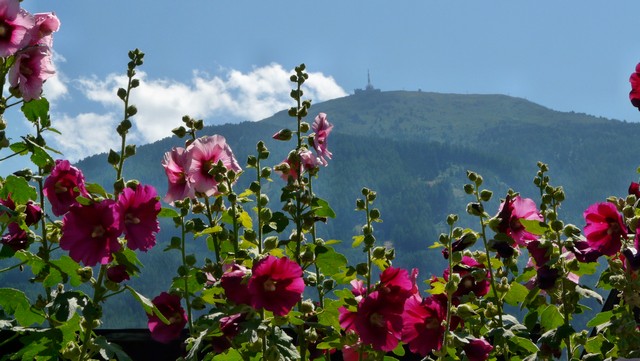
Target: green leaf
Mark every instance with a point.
(36, 263)
(600, 318)
(148, 306)
(40, 157)
(108, 350)
(357, 240)
(36, 109)
(399, 350)
(95, 188)
(69, 267)
(168, 213)
(551, 318)
(321, 208)
(53, 278)
(40, 345)
(245, 220)
(129, 259)
(517, 294)
(284, 344)
(16, 303)
(208, 230)
(594, 344)
(331, 262)
(523, 343)
(19, 147)
(329, 315)
(18, 188)
(66, 304)
(534, 227)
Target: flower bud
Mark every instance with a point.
(304, 127)
(283, 134)
(270, 243)
(362, 269)
(85, 273)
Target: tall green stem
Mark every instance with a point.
(186, 269)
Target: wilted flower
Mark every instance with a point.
(204, 154)
(634, 95)
(117, 273)
(276, 284)
(15, 24)
(31, 68)
(17, 238)
(477, 349)
(295, 165)
(322, 129)
(584, 253)
(230, 327)
(234, 283)
(511, 211)
(180, 183)
(63, 185)
(546, 277)
(90, 233)
(139, 209)
(169, 306)
(605, 227)
(468, 282)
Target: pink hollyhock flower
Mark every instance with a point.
(169, 306)
(546, 277)
(234, 283)
(31, 68)
(541, 255)
(378, 322)
(605, 227)
(511, 211)
(634, 188)
(634, 95)
(422, 326)
(468, 282)
(204, 153)
(276, 284)
(15, 24)
(230, 327)
(33, 211)
(117, 273)
(63, 185)
(295, 168)
(180, 183)
(584, 253)
(478, 349)
(17, 238)
(139, 209)
(352, 353)
(90, 233)
(45, 25)
(396, 285)
(322, 128)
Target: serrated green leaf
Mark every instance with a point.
(19, 147)
(594, 344)
(534, 227)
(53, 278)
(69, 267)
(245, 220)
(40, 157)
(36, 263)
(321, 208)
(95, 188)
(208, 230)
(329, 315)
(129, 259)
(551, 318)
(109, 350)
(19, 189)
(357, 240)
(331, 262)
(517, 294)
(36, 109)
(523, 343)
(66, 304)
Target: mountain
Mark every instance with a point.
(414, 149)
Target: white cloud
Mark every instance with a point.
(85, 134)
(161, 103)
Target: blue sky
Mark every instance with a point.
(227, 61)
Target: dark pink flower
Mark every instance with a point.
(45, 25)
(15, 24)
(322, 128)
(17, 238)
(468, 283)
(63, 185)
(140, 210)
(423, 328)
(33, 211)
(276, 284)
(396, 285)
(634, 188)
(117, 273)
(546, 277)
(478, 349)
(204, 154)
(31, 68)
(282, 134)
(378, 322)
(634, 95)
(511, 211)
(90, 233)
(180, 183)
(605, 227)
(234, 282)
(584, 253)
(230, 327)
(541, 255)
(169, 306)
(352, 353)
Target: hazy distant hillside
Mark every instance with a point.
(414, 149)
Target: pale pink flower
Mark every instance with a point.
(322, 128)
(45, 25)
(180, 183)
(15, 24)
(31, 68)
(204, 154)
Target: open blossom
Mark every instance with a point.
(396, 285)
(204, 154)
(31, 68)
(378, 322)
(139, 211)
(511, 211)
(230, 327)
(169, 306)
(276, 284)
(234, 283)
(634, 95)
(423, 327)
(63, 185)
(605, 227)
(180, 183)
(322, 129)
(295, 165)
(42, 32)
(15, 24)
(90, 233)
